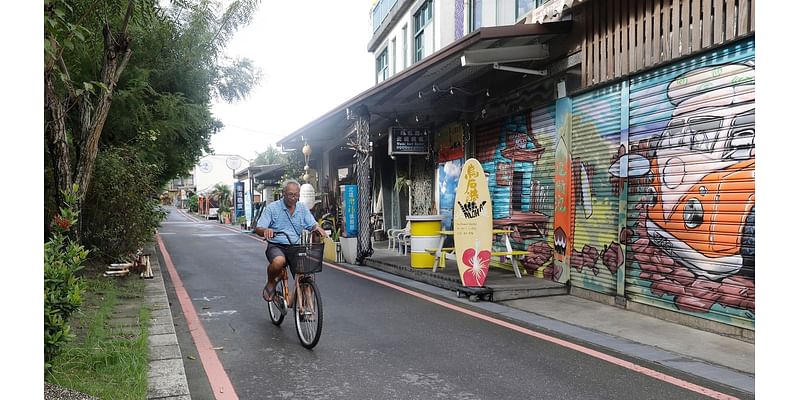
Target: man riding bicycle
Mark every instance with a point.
(290, 217)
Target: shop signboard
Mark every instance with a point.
(350, 207)
(238, 190)
(409, 141)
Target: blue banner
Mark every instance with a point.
(238, 190)
(350, 199)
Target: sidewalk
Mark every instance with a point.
(166, 377)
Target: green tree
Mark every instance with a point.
(162, 65)
(270, 156)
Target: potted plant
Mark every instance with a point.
(224, 214)
(242, 221)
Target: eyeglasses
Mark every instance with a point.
(295, 195)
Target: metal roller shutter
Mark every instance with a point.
(596, 126)
(691, 176)
(518, 154)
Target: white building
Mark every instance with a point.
(406, 31)
(216, 168)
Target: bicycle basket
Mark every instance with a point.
(305, 258)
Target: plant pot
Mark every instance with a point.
(349, 247)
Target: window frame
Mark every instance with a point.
(382, 65)
(423, 17)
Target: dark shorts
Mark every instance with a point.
(274, 250)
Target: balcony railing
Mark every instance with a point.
(380, 11)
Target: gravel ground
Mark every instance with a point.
(54, 392)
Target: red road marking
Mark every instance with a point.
(220, 384)
(573, 346)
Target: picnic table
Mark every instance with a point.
(439, 259)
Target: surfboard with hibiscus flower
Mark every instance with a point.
(472, 225)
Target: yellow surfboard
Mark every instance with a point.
(472, 225)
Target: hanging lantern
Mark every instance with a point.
(307, 195)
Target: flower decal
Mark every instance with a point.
(477, 266)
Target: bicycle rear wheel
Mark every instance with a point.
(308, 313)
(277, 307)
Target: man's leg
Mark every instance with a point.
(277, 260)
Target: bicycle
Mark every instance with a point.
(304, 260)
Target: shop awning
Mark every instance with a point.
(439, 88)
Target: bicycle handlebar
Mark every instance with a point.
(275, 233)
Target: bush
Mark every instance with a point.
(121, 209)
(63, 257)
(192, 203)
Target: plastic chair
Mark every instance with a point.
(394, 236)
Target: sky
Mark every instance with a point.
(313, 56)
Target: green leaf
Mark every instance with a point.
(59, 12)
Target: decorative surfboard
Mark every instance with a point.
(472, 225)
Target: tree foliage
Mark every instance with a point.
(162, 65)
(124, 203)
(270, 156)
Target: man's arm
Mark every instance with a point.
(262, 226)
(312, 225)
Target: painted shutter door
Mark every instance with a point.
(488, 151)
(596, 125)
(691, 176)
(518, 154)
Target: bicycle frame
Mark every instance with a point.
(290, 297)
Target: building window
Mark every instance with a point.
(405, 46)
(393, 50)
(523, 6)
(381, 67)
(422, 18)
(475, 13)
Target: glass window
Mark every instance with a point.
(523, 6)
(422, 17)
(475, 13)
(381, 67)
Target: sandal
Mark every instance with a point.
(268, 293)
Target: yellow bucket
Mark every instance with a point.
(424, 235)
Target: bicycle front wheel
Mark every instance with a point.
(308, 313)
(277, 307)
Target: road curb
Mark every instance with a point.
(166, 377)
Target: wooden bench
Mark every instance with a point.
(514, 255)
(440, 256)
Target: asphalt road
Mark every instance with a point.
(377, 342)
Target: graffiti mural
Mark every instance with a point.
(596, 134)
(691, 172)
(518, 158)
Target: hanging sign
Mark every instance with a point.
(350, 199)
(408, 141)
(238, 189)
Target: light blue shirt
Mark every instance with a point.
(277, 217)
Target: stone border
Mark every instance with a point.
(166, 377)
